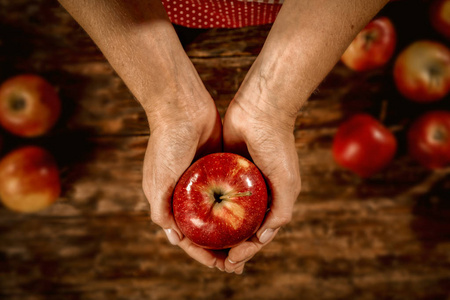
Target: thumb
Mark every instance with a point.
(281, 207)
(274, 220)
(161, 213)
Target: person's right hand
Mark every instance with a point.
(177, 138)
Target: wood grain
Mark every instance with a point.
(387, 237)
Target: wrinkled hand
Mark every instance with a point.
(268, 140)
(175, 141)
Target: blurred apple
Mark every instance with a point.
(29, 179)
(440, 16)
(429, 139)
(363, 145)
(422, 71)
(29, 105)
(372, 47)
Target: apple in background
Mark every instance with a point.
(429, 139)
(220, 201)
(440, 16)
(29, 179)
(29, 105)
(363, 145)
(422, 71)
(373, 47)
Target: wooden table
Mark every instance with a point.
(386, 237)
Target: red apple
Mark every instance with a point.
(422, 71)
(429, 139)
(372, 47)
(440, 16)
(29, 179)
(29, 105)
(363, 145)
(220, 201)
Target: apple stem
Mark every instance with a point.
(383, 111)
(229, 196)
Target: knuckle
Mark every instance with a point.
(145, 188)
(157, 218)
(297, 186)
(284, 218)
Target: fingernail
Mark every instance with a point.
(220, 269)
(266, 236)
(214, 264)
(239, 272)
(230, 261)
(172, 236)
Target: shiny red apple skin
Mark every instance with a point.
(373, 47)
(220, 225)
(29, 179)
(440, 16)
(29, 105)
(363, 145)
(429, 139)
(422, 71)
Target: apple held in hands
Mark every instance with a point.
(220, 201)
(363, 145)
(29, 179)
(373, 47)
(422, 71)
(29, 105)
(429, 139)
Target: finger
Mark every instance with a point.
(239, 270)
(244, 252)
(161, 172)
(206, 257)
(284, 182)
(236, 267)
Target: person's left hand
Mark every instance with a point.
(266, 137)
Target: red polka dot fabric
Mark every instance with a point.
(221, 13)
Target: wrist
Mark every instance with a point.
(261, 97)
